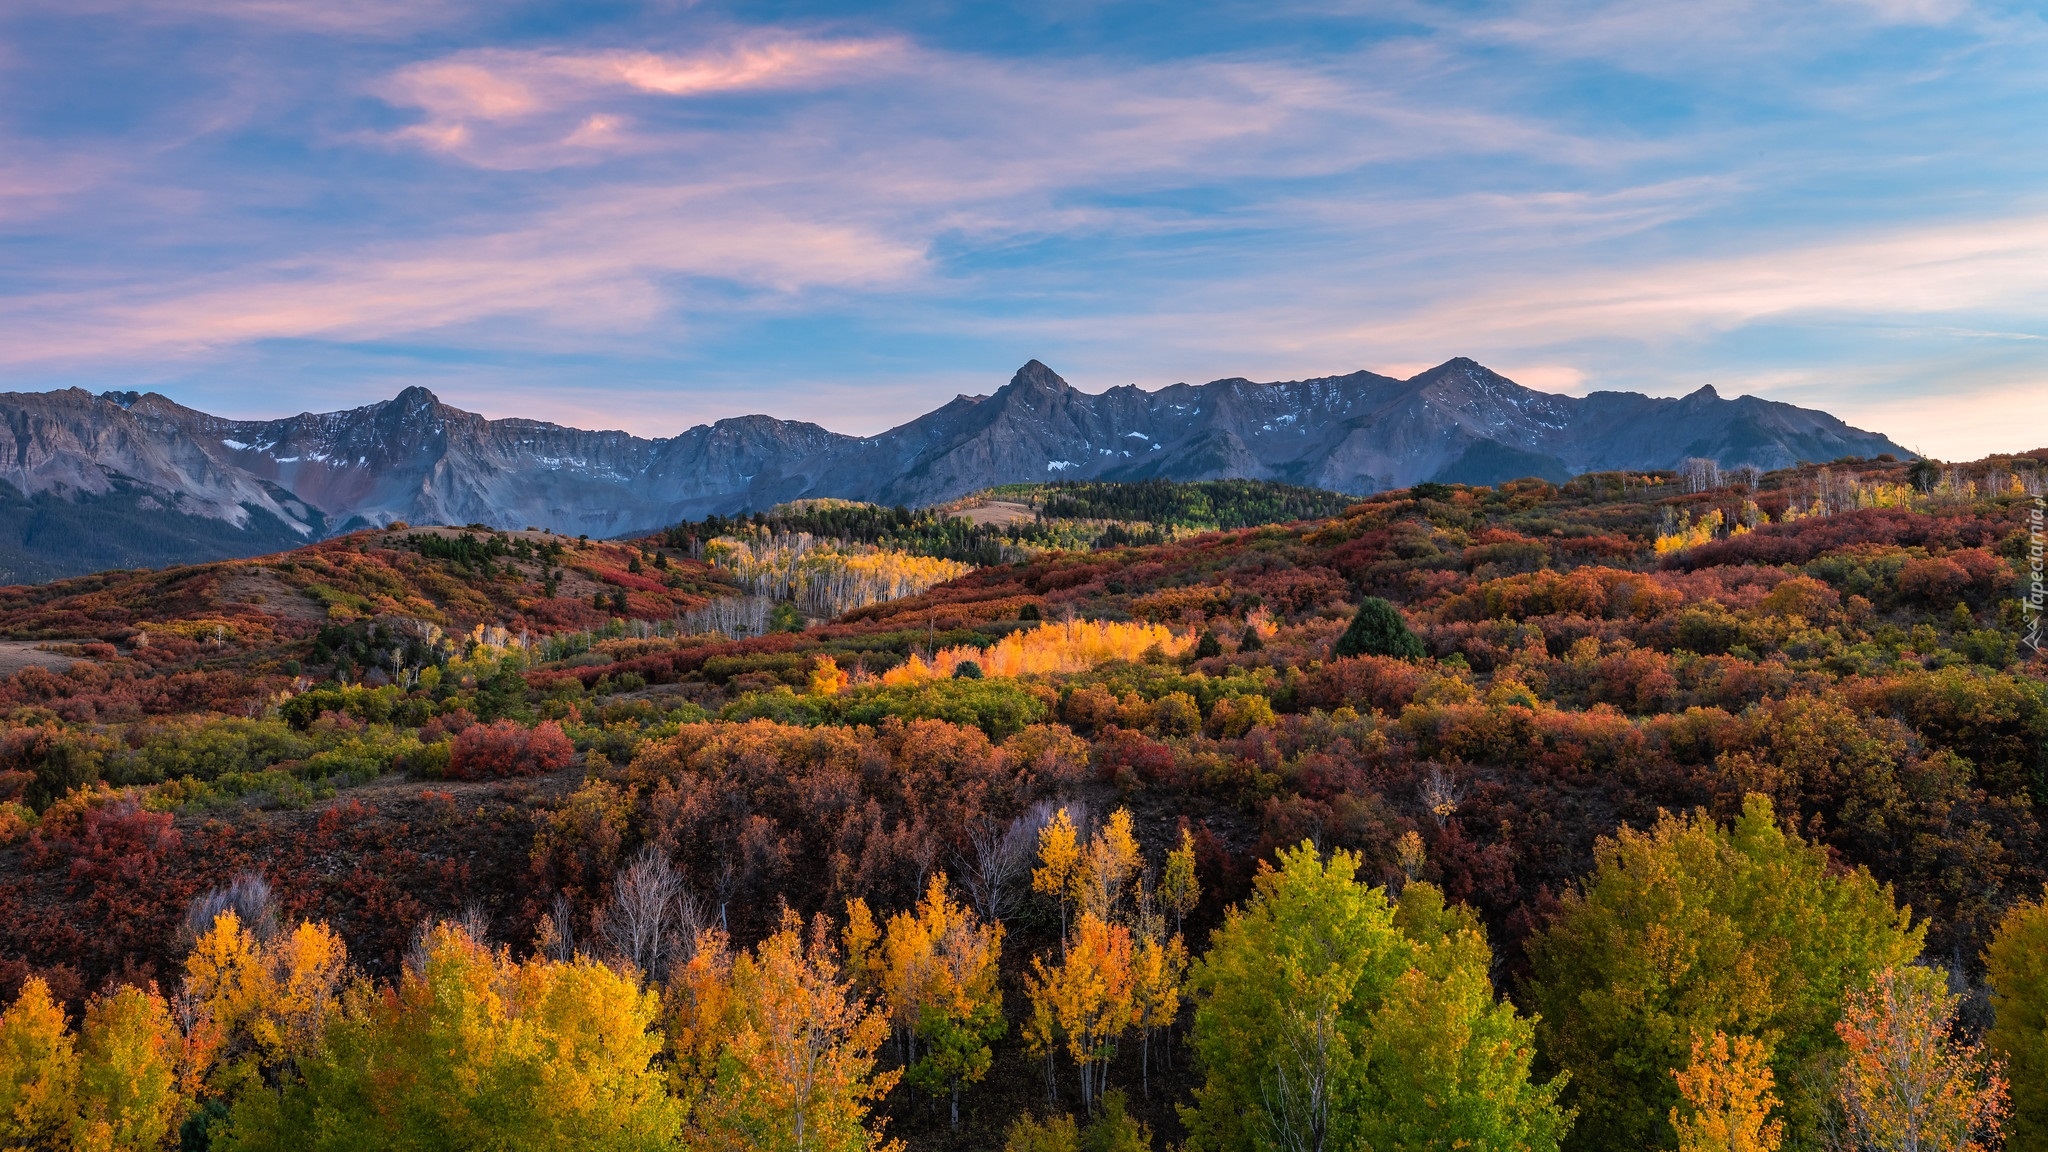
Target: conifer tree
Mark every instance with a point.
(1378, 630)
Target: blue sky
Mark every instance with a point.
(651, 215)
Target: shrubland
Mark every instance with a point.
(1520, 817)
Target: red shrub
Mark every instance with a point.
(1372, 682)
(505, 749)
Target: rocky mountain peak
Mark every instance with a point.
(1036, 377)
(244, 486)
(415, 399)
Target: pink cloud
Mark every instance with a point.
(768, 65)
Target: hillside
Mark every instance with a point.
(130, 478)
(398, 725)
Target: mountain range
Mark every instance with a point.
(126, 479)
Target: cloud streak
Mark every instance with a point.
(319, 201)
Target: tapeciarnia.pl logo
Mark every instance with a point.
(2032, 603)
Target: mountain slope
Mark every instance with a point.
(126, 478)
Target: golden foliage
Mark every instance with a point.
(1087, 999)
(111, 1088)
(1904, 1083)
(1073, 646)
(256, 1006)
(796, 1071)
(38, 1069)
(1728, 1098)
(828, 578)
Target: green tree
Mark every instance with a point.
(1692, 929)
(2017, 970)
(1378, 630)
(1326, 1019)
(1450, 1062)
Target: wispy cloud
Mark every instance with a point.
(1926, 272)
(502, 108)
(1823, 199)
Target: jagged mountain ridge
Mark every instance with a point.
(201, 486)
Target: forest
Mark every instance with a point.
(1665, 811)
(1068, 515)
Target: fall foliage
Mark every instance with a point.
(504, 790)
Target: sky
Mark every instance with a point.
(652, 215)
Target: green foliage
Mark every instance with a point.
(1027, 1133)
(1114, 1129)
(1000, 708)
(1692, 929)
(1322, 1022)
(1195, 504)
(785, 617)
(956, 1048)
(1378, 630)
(2017, 970)
(1071, 516)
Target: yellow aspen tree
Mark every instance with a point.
(1728, 1098)
(38, 1070)
(911, 975)
(128, 1098)
(473, 1049)
(827, 679)
(253, 1007)
(861, 944)
(226, 983)
(1107, 867)
(1157, 971)
(1179, 890)
(1089, 993)
(699, 1013)
(1059, 859)
(798, 1075)
(1904, 1084)
(1043, 1037)
(583, 1037)
(962, 1009)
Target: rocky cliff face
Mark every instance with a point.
(136, 478)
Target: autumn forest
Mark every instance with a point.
(1675, 811)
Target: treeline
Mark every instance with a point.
(1707, 987)
(920, 532)
(1073, 515)
(1204, 504)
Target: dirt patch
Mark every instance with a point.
(267, 592)
(18, 654)
(999, 512)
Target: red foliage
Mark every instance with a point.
(1802, 540)
(489, 751)
(1379, 683)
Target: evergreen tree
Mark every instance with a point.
(1378, 630)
